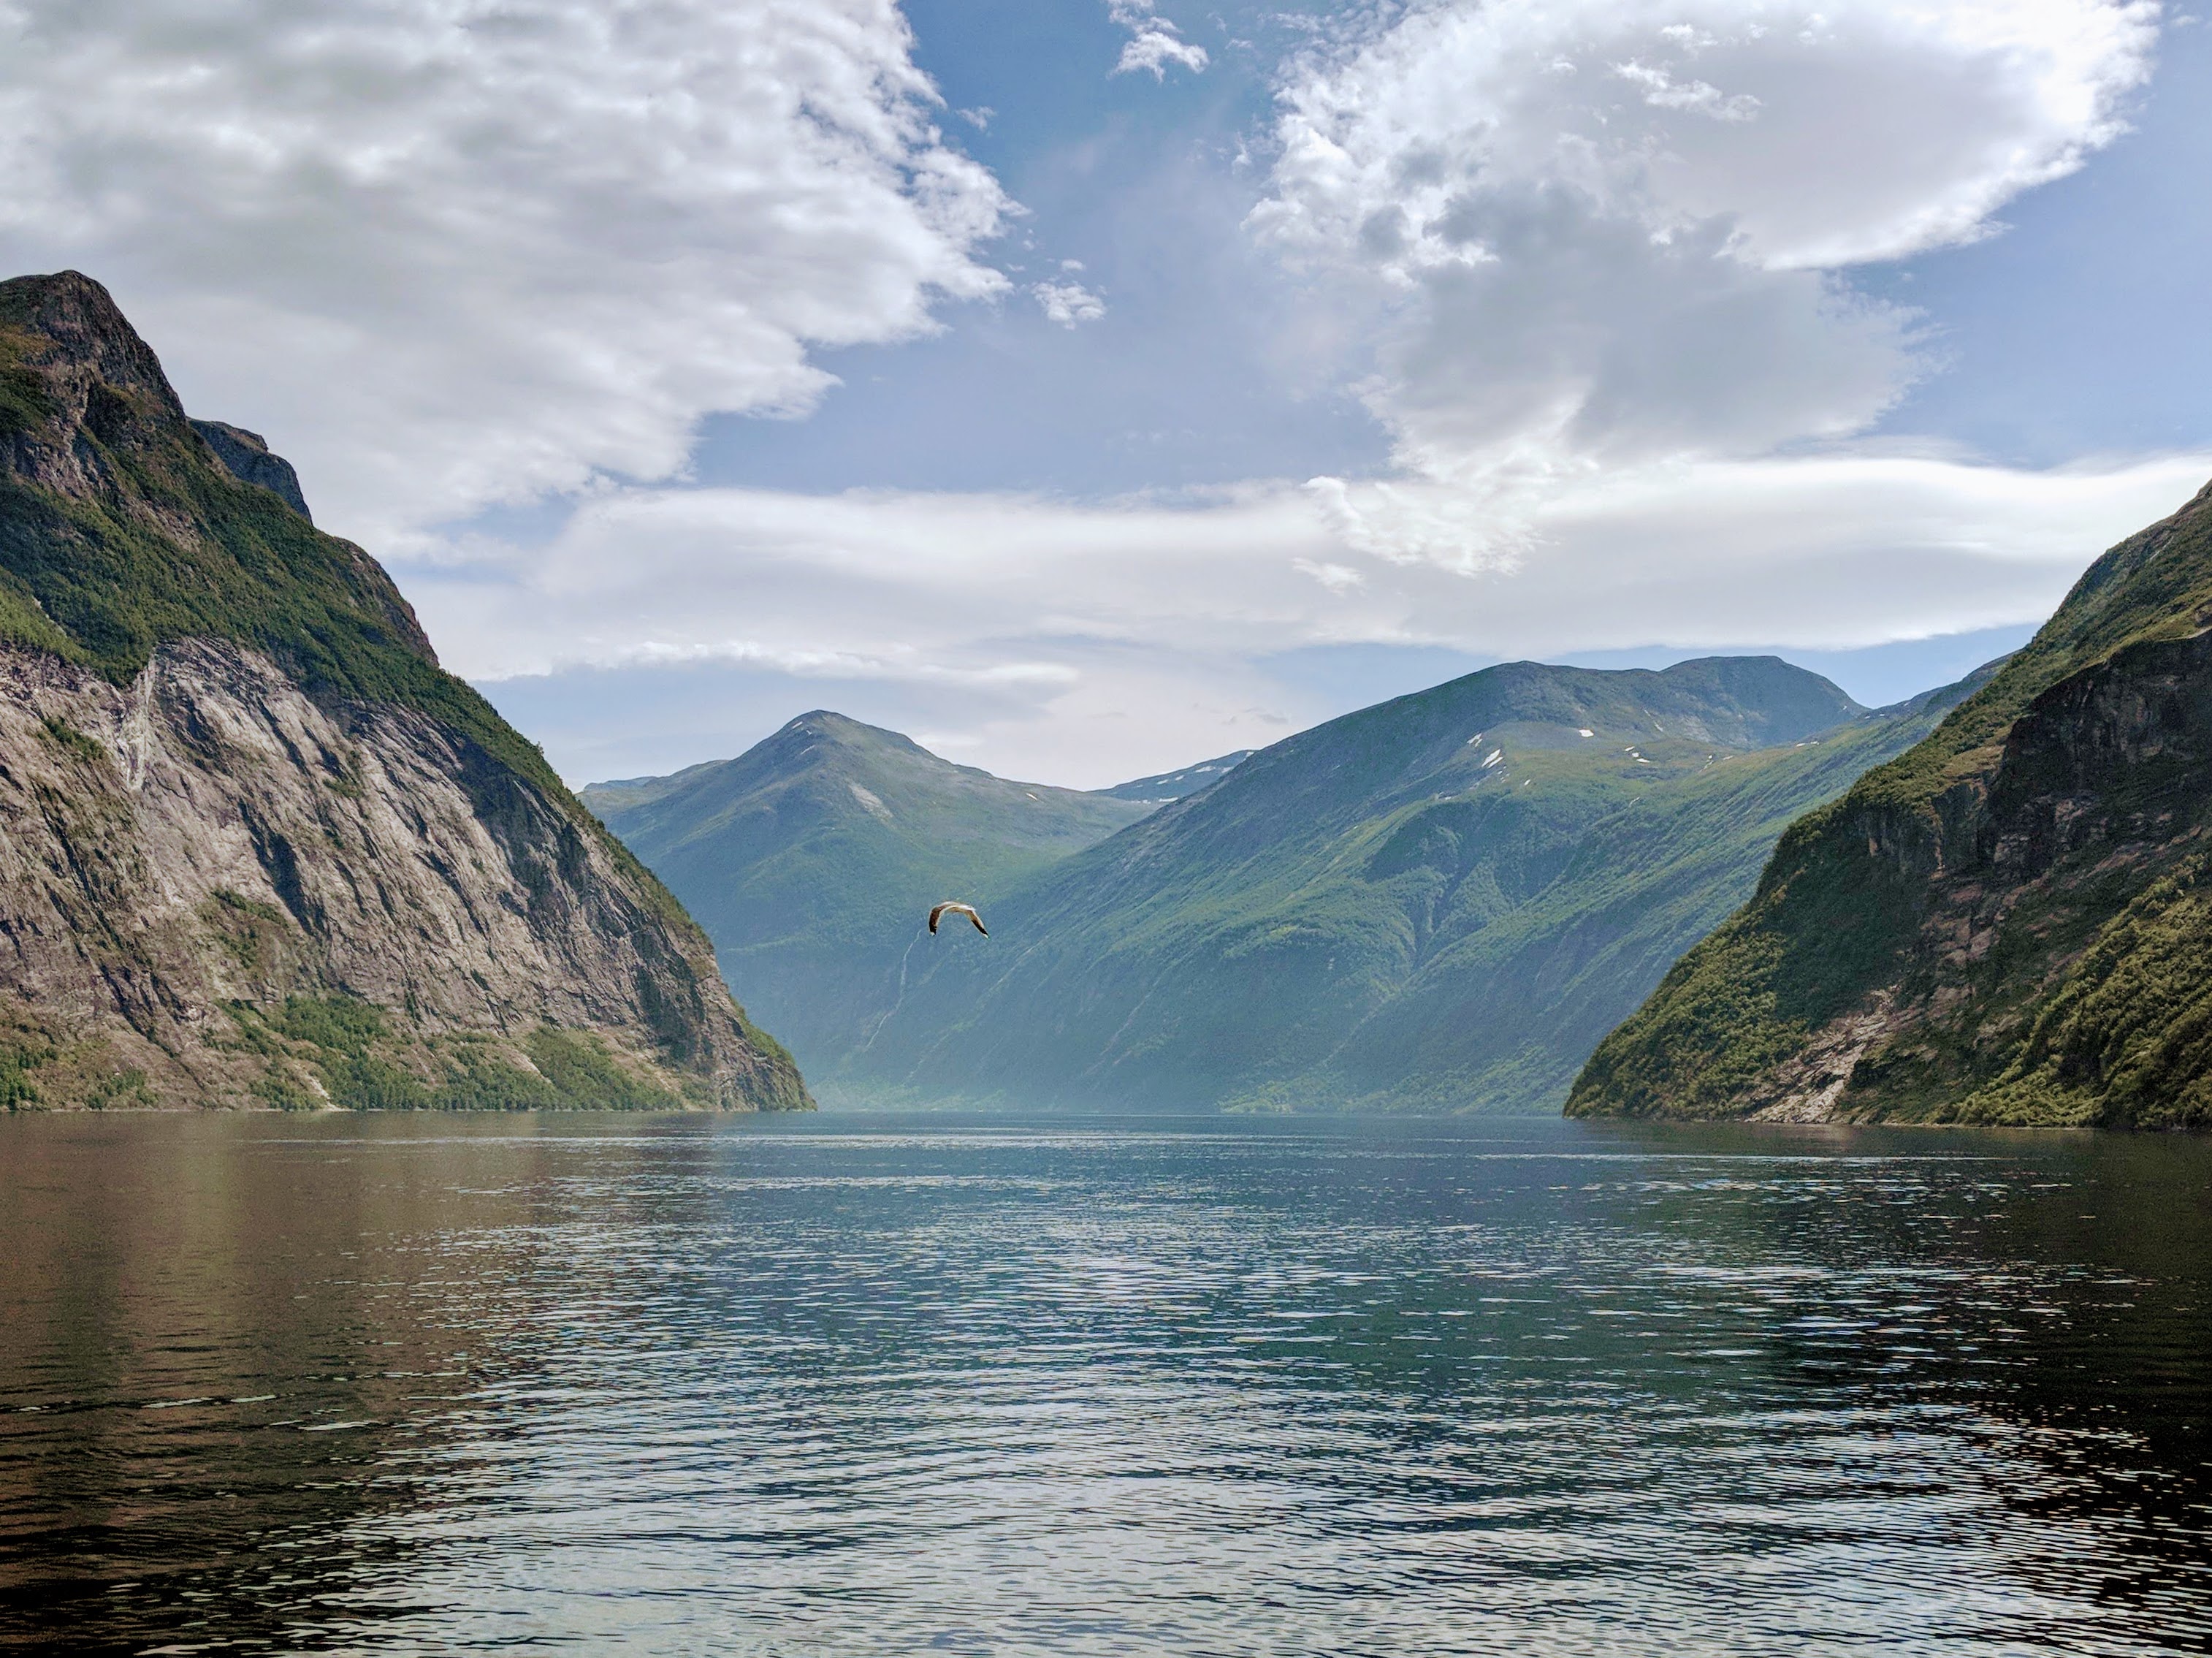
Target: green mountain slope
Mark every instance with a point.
(810, 859)
(1440, 903)
(255, 846)
(2009, 924)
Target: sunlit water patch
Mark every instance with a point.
(853, 1385)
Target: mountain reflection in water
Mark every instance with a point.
(866, 1385)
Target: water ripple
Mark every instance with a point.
(681, 1386)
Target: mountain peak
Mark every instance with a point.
(137, 531)
(843, 727)
(824, 753)
(1742, 702)
(70, 359)
(826, 843)
(82, 324)
(826, 719)
(822, 737)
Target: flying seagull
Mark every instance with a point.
(968, 909)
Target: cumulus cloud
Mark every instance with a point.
(1587, 234)
(1067, 303)
(1154, 42)
(455, 251)
(1091, 642)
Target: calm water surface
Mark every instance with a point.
(869, 1386)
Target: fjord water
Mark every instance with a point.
(866, 1385)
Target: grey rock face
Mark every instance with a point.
(184, 858)
(246, 455)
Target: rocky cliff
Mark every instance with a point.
(246, 456)
(255, 847)
(2010, 924)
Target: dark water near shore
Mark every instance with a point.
(867, 1385)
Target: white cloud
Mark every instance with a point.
(1067, 303)
(1154, 42)
(1337, 578)
(1592, 257)
(1587, 235)
(1096, 641)
(450, 252)
(1663, 91)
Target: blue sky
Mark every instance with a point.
(2074, 331)
(1178, 384)
(696, 365)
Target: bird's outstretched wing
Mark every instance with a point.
(968, 909)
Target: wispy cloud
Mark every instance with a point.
(1112, 637)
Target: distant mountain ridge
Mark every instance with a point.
(1439, 903)
(812, 858)
(255, 847)
(1165, 786)
(2012, 923)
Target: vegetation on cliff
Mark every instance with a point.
(2007, 923)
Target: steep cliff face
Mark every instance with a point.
(255, 847)
(2010, 924)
